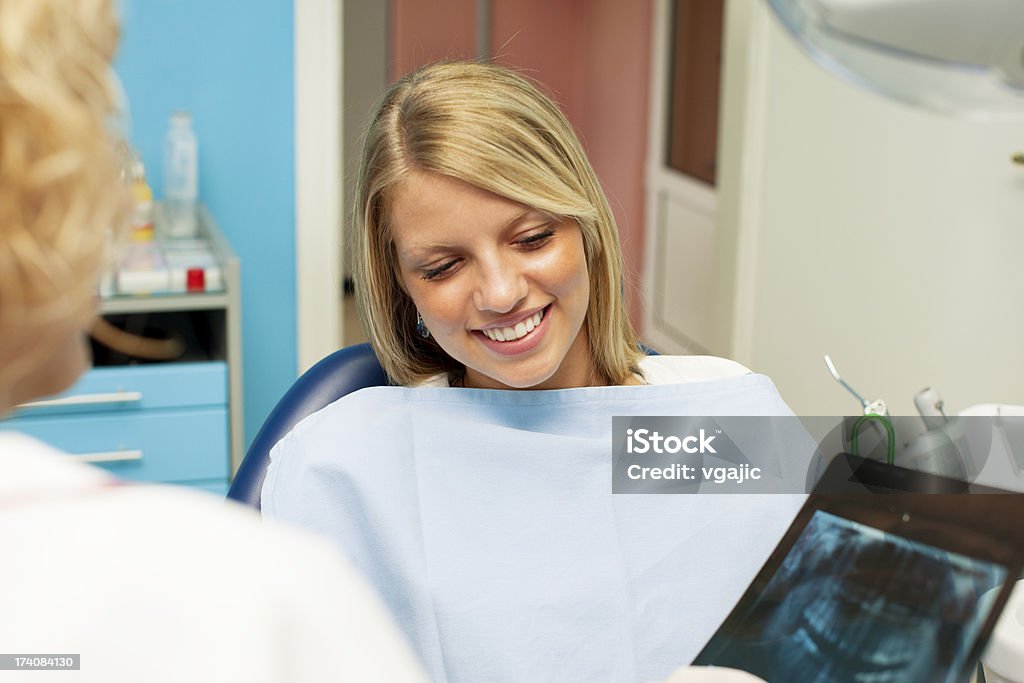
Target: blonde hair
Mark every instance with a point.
(60, 188)
(492, 128)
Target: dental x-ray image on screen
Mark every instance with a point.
(853, 603)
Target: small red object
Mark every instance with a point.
(195, 280)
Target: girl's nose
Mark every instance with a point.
(502, 286)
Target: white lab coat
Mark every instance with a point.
(154, 583)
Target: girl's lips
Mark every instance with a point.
(521, 345)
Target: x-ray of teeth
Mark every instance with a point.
(850, 603)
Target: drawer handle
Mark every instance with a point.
(86, 399)
(109, 456)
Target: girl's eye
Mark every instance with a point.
(537, 240)
(534, 241)
(439, 271)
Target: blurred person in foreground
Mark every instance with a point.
(146, 583)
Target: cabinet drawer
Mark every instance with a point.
(138, 387)
(168, 446)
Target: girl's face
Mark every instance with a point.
(503, 288)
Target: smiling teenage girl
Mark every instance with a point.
(476, 494)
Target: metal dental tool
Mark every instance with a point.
(875, 412)
(876, 407)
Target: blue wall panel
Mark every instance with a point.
(230, 63)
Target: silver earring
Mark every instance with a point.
(421, 329)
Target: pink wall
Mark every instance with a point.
(544, 40)
(592, 56)
(423, 32)
(613, 121)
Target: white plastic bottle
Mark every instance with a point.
(181, 177)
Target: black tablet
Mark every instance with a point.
(877, 588)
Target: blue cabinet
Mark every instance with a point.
(165, 423)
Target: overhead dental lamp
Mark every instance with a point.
(959, 57)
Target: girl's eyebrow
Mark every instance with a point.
(421, 251)
(528, 213)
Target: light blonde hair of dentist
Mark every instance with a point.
(60, 187)
(492, 128)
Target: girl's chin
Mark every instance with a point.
(505, 380)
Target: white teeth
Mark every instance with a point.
(521, 329)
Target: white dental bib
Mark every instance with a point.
(486, 521)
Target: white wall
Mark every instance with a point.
(318, 204)
(889, 237)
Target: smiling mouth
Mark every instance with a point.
(518, 331)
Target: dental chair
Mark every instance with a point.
(341, 373)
